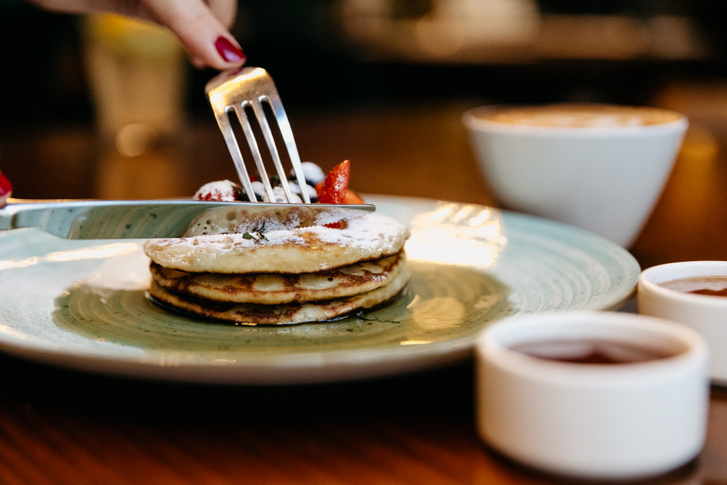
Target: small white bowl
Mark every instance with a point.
(615, 421)
(705, 314)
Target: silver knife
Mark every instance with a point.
(122, 219)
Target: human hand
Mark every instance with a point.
(201, 25)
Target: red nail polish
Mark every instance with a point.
(5, 186)
(229, 51)
(6, 189)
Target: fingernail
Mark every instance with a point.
(5, 186)
(229, 51)
(6, 190)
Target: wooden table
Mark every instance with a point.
(61, 426)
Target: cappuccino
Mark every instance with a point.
(598, 167)
(580, 116)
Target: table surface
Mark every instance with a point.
(61, 426)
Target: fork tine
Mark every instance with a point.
(246, 91)
(242, 116)
(223, 121)
(287, 133)
(268, 135)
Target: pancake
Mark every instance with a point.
(242, 219)
(276, 288)
(283, 314)
(300, 250)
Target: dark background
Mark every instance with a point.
(316, 67)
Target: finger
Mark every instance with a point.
(224, 10)
(204, 36)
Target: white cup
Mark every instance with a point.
(705, 314)
(616, 421)
(604, 177)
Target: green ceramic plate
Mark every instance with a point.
(82, 304)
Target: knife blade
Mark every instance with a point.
(124, 219)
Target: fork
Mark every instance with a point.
(245, 92)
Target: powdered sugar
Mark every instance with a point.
(221, 190)
(366, 231)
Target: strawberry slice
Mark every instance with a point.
(332, 190)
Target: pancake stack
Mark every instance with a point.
(281, 277)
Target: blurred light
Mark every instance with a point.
(699, 144)
(439, 39)
(461, 235)
(135, 139)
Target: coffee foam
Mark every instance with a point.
(580, 116)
